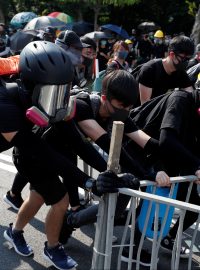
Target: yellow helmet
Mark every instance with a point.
(128, 41)
(159, 34)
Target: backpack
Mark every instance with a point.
(91, 99)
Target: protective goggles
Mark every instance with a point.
(50, 104)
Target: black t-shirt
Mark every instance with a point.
(153, 75)
(176, 112)
(159, 50)
(12, 117)
(84, 111)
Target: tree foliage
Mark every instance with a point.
(173, 16)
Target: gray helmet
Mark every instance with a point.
(43, 62)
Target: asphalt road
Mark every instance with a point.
(80, 245)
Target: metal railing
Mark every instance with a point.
(104, 257)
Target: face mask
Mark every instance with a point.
(103, 42)
(119, 114)
(181, 65)
(87, 61)
(75, 56)
(122, 54)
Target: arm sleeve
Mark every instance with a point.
(82, 147)
(126, 161)
(169, 143)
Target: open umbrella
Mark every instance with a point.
(61, 16)
(96, 35)
(148, 26)
(21, 19)
(80, 28)
(42, 22)
(20, 39)
(116, 29)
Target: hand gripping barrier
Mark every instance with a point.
(156, 201)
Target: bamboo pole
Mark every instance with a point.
(104, 229)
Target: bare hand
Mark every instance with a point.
(197, 173)
(162, 179)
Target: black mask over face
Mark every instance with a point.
(181, 65)
(182, 62)
(119, 114)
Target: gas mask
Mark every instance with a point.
(50, 104)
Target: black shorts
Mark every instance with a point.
(42, 179)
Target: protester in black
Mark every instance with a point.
(158, 76)
(174, 119)
(40, 64)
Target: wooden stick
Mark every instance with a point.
(106, 210)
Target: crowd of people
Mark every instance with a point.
(159, 108)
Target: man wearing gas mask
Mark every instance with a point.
(41, 96)
(71, 43)
(158, 76)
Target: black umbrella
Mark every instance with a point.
(80, 28)
(96, 35)
(21, 38)
(148, 26)
(40, 23)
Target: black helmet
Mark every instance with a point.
(43, 62)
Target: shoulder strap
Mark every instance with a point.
(95, 103)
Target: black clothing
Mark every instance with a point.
(192, 62)
(66, 139)
(102, 60)
(34, 159)
(176, 122)
(153, 75)
(159, 50)
(84, 112)
(129, 162)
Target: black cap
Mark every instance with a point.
(90, 42)
(70, 38)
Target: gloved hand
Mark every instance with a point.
(109, 182)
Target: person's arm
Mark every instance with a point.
(81, 146)
(94, 131)
(174, 151)
(91, 128)
(145, 93)
(140, 137)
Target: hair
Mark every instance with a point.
(120, 85)
(182, 44)
(116, 47)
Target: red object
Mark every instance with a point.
(9, 65)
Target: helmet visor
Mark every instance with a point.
(52, 100)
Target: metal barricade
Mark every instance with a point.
(157, 200)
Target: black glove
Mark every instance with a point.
(109, 182)
(128, 180)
